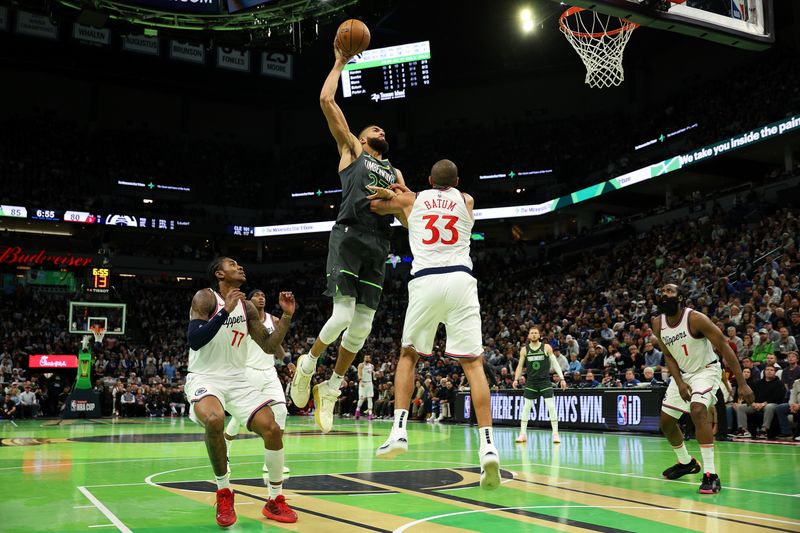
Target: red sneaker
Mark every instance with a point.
(279, 510)
(226, 515)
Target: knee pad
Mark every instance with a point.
(279, 411)
(356, 335)
(344, 308)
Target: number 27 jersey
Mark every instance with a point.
(439, 229)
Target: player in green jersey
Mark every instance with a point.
(538, 360)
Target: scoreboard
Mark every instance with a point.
(98, 280)
(389, 73)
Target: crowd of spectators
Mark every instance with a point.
(742, 271)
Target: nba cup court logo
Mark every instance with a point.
(467, 406)
(629, 410)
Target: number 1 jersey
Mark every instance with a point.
(439, 230)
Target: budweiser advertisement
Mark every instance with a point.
(53, 361)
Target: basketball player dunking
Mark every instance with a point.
(688, 340)
(357, 252)
(439, 222)
(365, 390)
(260, 370)
(538, 360)
(221, 320)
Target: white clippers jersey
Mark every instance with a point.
(256, 358)
(439, 229)
(366, 373)
(226, 353)
(692, 353)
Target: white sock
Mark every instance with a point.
(707, 451)
(223, 482)
(335, 382)
(275, 490)
(683, 454)
(309, 363)
(527, 406)
(551, 411)
(400, 421)
(486, 436)
(273, 460)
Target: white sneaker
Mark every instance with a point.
(301, 384)
(324, 402)
(490, 468)
(395, 445)
(556, 438)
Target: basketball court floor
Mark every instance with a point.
(153, 475)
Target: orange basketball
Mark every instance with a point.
(352, 37)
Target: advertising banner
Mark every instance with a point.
(36, 25)
(601, 409)
(53, 361)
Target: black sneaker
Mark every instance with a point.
(710, 484)
(761, 435)
(679, 470)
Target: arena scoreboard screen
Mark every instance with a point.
(388, 73)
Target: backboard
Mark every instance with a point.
(744, 24)
(84, 315)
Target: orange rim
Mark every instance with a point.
(627, 26)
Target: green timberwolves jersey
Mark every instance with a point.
(365, 170)
(537, 364)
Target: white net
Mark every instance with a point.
(600, 42)
(98, 332)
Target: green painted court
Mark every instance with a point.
(153, 475)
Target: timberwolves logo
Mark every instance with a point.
(200, 391)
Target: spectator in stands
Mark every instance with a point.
(576, 379)
(653, 357)
(27, 403)
(177, 402)
(417, 400)
(747, 347)
(792, 407)
(650, 377)
(9, 408)
(589, 382)
(571, 347)
(736, 343)
(764, 347)
(785, 344)
(630, 379)
(574, 364)
(769, 393)
(773, 362)
(755, 373)
(592, 360)
(128, 403)
(562, 361)
(792, 371)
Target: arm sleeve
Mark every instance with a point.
(555, 366)
(201, 332)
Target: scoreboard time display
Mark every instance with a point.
(389, 73)
(98, 280)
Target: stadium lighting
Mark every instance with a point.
(526, 20)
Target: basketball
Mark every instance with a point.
(352, 37)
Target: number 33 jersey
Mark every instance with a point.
(226, 353)
(439, 229)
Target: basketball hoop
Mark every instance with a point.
(98, 332)
(600, 41)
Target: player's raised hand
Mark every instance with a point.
(287, 303)
(341, 57)
(232, 299)
(685, 391)
(379, 193)
(746, 394)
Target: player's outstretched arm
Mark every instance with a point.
(270, 342)
(280, 353)
(388, 202)
(347, 144)
(700, 322)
